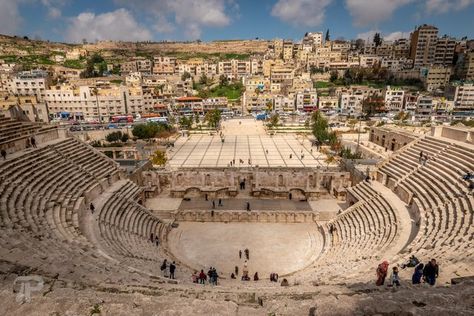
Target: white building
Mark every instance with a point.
(351, 103)
(464, 100)
(394, 99)
(33, 82)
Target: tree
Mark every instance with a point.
(327, 36)
(151, 130)
(158, 158)
(274, 120)
(213, 118)
(334, 76)
(378, 39)
(203, 79)
(185, 75)
(320, 127)
(186, 122)
(115, 137)
(223, 80)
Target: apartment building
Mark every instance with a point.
(328, 103)
(252, 83)
(425, 105)
(314, 38)
(164, 65)
(282, 75)
(256, 66)
(468, 69)
(464, 100)
(25, 83)
(394, 99)
(234, 68)
(287, 50)
(137, 65)
(435, 77)
(306, 100)
(254, 102)
(423, 45)
(351, 102)
(444, 54)
(368, 61)
(283, 103)
(98, 103)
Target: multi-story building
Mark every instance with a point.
(98, 104)
(283, 103)
(368, 61)
(394, 99)
(314, 38)
(287, 50)
(351, 103)
(468, 69)
(328, 103)
(256, 102)
(33, 82)
(444, 54)
(423, 45)
(435, 77)
(234, 68)
(464, 100)
(411, 102)
(306, 100)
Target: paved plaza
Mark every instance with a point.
(241, 204)
(246, 143)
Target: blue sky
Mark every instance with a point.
(74, 20)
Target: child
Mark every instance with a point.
(394, 279)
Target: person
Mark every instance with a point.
(421, 157)
(195, 277)
(272, 279)
(202, 277)
(28, 143)
(240, 254)
(290, 196)
(232, 275)
(213, 204)
(236, 269)
(163, 267)
(247, 254)
(206, 197)
(248, 206)
(245, 182)
(172, 269)
(381, 273)
(255, 276)
(275, 277)
(152, 238)
(92, 207)
(33, 142)
(214, 276)
(412, 262)
(291, 156)
(209, 274)
(4, 154)
(467, 176)
(431, 272)
(220, 202)
(157, 240)
(418, 274)
(212, 213)
(394, 278)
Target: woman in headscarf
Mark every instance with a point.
(381, 273)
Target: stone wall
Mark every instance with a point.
(244, 216)
(302, 183)
(460, 134)
(391, 139)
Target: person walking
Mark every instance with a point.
(33, 142)
(381, 273)
(394, 278)
(431, 272)
(172, 269)
(417, 274)
(202, 277)
(4, 154)
(163, 267)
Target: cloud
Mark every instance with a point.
(368, 12)
(308, 13)
(190, 15)
(443, 6)
(369, 35)
(115, 25)
(54, 13)
(10, 18)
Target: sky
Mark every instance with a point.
(207, 20)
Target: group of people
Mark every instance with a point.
(165, 268)
(427, 272)
(273, 277)
(214, 203)
(155, 239)
(202, 277)
(423, 158)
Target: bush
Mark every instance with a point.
(115, 137)
(158, 158)
(150, 130)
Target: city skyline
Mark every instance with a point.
(72, 21)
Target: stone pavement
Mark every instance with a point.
(241, 204)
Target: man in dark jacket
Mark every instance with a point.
(172, 269)
(430, 272)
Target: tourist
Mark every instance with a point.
(394, 278)
(240, 254)
(421, 157)
(233, 161)
(275, 277)
(163, 267)
(205, 196)
(412, 262)
(212, 213)
(194, 277)
(209, 274)
(33, 142)
(172, 269)
(232, 275)
(418, 274)
(290, 196)
(248, 206)
(4, 154)
(202, 277)
(382, 273)
(220, 202)
(214, 276)
(92, 208)
(245, 181)
(431, 271)
(157, 240)
(255, 276)
(236, 269)
(291, 156)
(272, 279)
(467, 176)
(247, 254)
(213, 204)
(152, 238)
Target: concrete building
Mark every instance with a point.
(306, 100)
(394, 99)
(234, 68)
(28, 83)
(435, 77)
(283, 104)
(351, 103)
(425, 105)
(314, 38)
(468, 69)
(97, 104)
(423, 45)
(444, 54)
(464, 100)
(287, 50)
